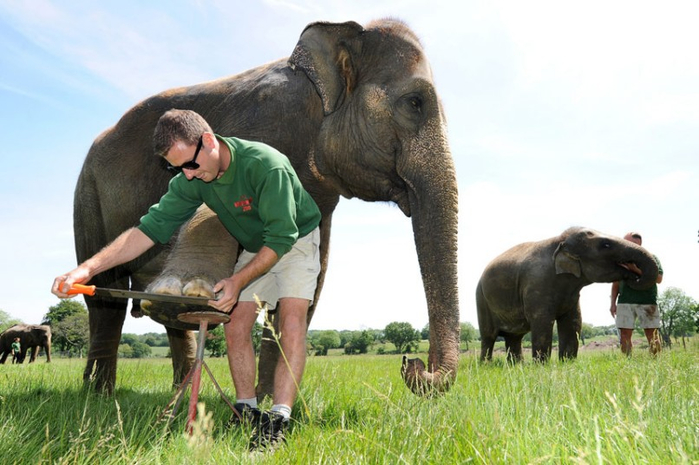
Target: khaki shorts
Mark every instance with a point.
(294, 275)
(648, 316)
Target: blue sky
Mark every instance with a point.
(559, 115)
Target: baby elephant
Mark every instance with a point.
(533, 284)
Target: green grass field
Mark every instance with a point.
(601, 409)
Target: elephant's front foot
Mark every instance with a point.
(173, 285)
(100, 375)
(166, 313)
(541, 355)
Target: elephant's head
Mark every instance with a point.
(599, 258)
(384, 138)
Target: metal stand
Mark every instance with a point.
(203, 318)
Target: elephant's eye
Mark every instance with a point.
(411, 111)
(416, 103)
(412, 103)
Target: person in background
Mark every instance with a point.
(629, 304)
(16, 351)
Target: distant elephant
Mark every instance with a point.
(357, 113)
(34, 337)
(535, 284)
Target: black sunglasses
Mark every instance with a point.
(191, 164)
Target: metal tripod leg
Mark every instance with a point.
(194, 374)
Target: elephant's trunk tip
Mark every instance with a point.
(423, 383)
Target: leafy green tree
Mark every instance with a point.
(678, 312)
(63, 309)
(155, 339)
(425, 333)
(609, 330)
(140, 350)
(345, 337)
(125, 351)
(469, 333)
(376, 335)
(401, 335)
(130, 339)
(325, 340)
(6, 321)
(586, 332)
(216, 342)
(360, 342)
(68, 334)
(72, 334)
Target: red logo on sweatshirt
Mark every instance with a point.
(245, 203)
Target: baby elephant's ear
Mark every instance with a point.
(566, 263)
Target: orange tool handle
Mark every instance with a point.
(81, 289)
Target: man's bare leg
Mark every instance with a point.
(241, 355)
(292, 328)
(625, 337)
(654, 342)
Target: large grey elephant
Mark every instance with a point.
(34, 337)
(533, 285)
(356, 111)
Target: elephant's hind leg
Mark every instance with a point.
(487, 345)
(569, 328)
(513, 344)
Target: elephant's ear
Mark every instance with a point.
(323, 53)
(566, 263)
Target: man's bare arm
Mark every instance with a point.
(129, 245)
(230, 288)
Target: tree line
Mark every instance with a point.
(70, 332)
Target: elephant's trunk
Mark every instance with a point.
(641, 260)
(434, 209)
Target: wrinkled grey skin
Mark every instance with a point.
(535, 284)
(34, 337)
(356, 112)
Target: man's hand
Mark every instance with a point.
(63, 283)
(129, 245)
(228, 290)
(612, 310)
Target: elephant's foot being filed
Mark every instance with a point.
(165, 312)
(174, 285)
(183, 345)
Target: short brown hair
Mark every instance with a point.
(178, 125)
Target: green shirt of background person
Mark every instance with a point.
(16, 350)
